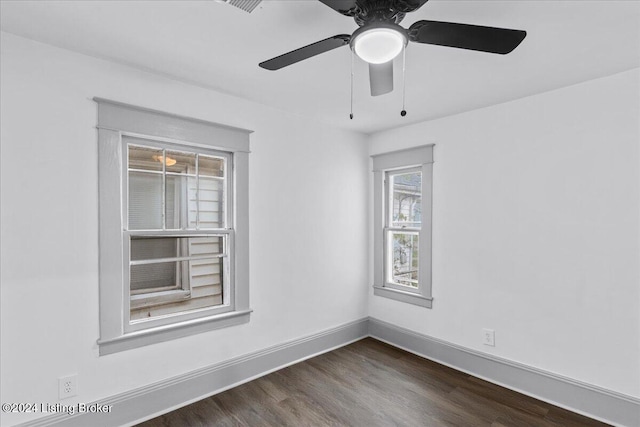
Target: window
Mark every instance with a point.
(402, 217)
(177, 234)
(173, 226)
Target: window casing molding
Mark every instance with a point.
(117, 123)
(386, 164)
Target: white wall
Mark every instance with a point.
(536, 228)
(536, 233)
(300, 172)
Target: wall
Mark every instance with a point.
(536, 216)
(299, 172)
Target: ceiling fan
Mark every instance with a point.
(380, 38)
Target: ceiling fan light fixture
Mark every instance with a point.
(378, 45)
(169, 161)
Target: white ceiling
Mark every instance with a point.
(218, 46)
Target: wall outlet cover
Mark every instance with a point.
(489, 337)
(67, 386)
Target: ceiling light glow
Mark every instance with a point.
(379, 45)
(168, 161)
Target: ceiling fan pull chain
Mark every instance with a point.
(351, 114)
(404, 79)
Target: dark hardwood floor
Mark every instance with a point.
(370, 383)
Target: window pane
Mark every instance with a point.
(202, 246)
(159, 286)
(178, 162)
(210, 204)
(145, 158)
(151, 248)
(404, 259)
(210, 166)
(155, 276)
(180, 212)
(188, 285)
(406, 199)
(145, 201)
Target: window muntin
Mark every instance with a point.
(402, 228)
(173, 190)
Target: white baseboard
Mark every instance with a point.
(153, 400)
(586, 399)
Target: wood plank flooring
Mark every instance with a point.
(368, 384)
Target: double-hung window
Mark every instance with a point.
(173, 226)
(178, 236)
(402, 241)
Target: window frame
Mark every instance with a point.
(226, 231)
(390, 229)
(386, 165)
(117, 123)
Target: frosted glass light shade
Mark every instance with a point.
(379, 45)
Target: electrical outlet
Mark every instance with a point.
(489, 337)
(67, 386)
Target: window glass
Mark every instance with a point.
(171, 275)
(210, 203)
(145, 158)
(210, 166)
(145, 201)
(174, 190)
(404, 258)
(155, 277)
(181, 163)
(406, 199)
(179, 202)
(149, 248)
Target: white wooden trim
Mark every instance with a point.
(414, 156)
(154, 123)
(117, 121)
(111, 225)
(419, 158)
(403, 296)
(172, 331)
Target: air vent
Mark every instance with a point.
(246, 5)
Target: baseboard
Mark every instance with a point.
(150, 401)
(155, 399)
(592, 401)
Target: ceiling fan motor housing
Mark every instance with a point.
(364, 11)
(369, 11)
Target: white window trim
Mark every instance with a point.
(116, 120)
(416, 157)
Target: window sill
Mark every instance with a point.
(403, 296)
(169, 332)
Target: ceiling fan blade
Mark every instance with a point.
(306, 52)
(345, 7)
(381, 78)
(465, 36)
